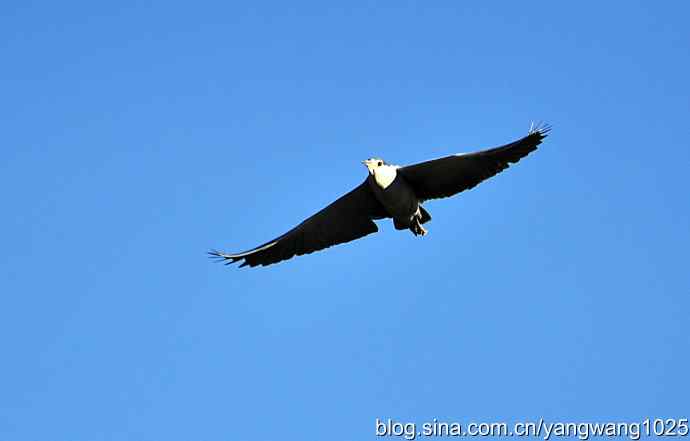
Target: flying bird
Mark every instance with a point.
(389, 191)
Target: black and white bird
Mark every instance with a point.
(389, 191)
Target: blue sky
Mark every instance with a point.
(136, 136)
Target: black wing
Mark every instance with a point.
(346, 219)
(443, 177)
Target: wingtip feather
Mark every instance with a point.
(224, 258)
(542, 128)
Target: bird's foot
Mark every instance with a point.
(418, 229)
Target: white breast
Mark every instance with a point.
(385, 175)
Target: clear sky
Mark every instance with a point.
(138, 135)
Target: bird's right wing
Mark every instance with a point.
(346, 219)
(443, 177)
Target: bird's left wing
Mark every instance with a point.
(443, 177)
(346, 219)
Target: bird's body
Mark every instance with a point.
(394, 193)
(389, 192)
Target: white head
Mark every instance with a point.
(383, 173)
(373, 163)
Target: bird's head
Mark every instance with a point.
(373, 163)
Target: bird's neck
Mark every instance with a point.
(385, 175)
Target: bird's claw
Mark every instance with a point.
(418, 229)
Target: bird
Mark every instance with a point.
(389, 191)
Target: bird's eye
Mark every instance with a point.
(380, 163)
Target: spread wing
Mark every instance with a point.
(346, 219)
(443, 177)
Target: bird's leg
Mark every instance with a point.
(416, 227)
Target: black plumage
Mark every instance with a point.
(348, 218)
(389, 192)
